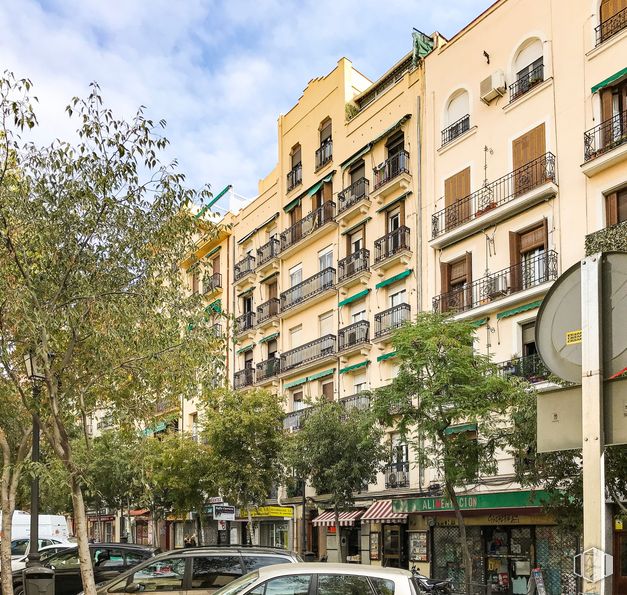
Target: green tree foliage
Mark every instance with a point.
(91, 239)
(443, 382)
(244, 433)
(338, 451)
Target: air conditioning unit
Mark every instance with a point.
(496, 287)
(397, 479)
(492, 87)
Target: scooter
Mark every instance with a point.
(431, 585)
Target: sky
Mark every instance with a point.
(219, 72)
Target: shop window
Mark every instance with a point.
(528, 256)
(616, 207)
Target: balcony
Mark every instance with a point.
(608, 239)
(216, 330)
(306, 227)
(353, 201)
(531, 273)
(605, 144)
(267, 370)
(267, 311)
(496, 201)
(526, 82)
(397, 475)
(324, 154)
(455, 129)
(392, 318)
(314, 351)
(295, 177)
(244, 324)
(267, 255)
(354, 269)
(359, 401)
(244, 267)
(391, 175)
(353, 336)
(529, 367)
(315, 286)
(244, 378)
(392, 247)
(611, 26)
(294, 421)
(211, 282)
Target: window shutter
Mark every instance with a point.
(609, 8)
(456, 188)
(358, 172)
(529, 146)
(468, 266)
(325, 131)
(611, 209)
(296, 156)
(327, 391)
(621, 206)
(327, 192)
(445, 276)
(545, 233)
(215, 264)
(514, 260)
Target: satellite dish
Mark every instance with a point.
(558, 325)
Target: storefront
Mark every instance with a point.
(273, 525)
(388, 540)
(620, 555)
(350, 535)
(508, 536)
(101, 528)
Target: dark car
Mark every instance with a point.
(202, 570)
(108, 559)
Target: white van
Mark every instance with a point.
(51, 526)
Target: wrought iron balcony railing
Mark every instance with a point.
(310, 287)
(307, 225)
(353, 335)
(216, 330)
(392, 167)
(391, 243)
(353, 194)
(358, 401)
(309, 352)
(526, 82)
(268, 251)
(245, 377)
(268, 369)
(503, 190)
(397, 475)
(392, 318)
(530, 367)
(606, 136)
(294, 177)
(353, 264)
(611, 26)
(244, 322)
(211, 282)
(244, 267)
(267, 310)
(294, 420)
(456, 129)
(324, 153)
(524, 275)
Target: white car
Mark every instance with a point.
(323, 579)
(19, 562)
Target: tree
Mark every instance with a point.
(338, 451)
(92, 235)
(443, 382)
(244, 433)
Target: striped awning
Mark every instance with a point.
(381, 512)
(347, 519)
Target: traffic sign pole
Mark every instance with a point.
(592, 415)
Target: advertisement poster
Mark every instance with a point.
(418, 543)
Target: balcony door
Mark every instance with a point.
(456, 189)
(613, 104)
(248, 360)
(525, 149)
(528, 256)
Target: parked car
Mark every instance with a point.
(202, 570)
(324, 579)
(44, 553)
(108, 559)
(21, 547)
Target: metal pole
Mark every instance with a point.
(303, 538)
(33, 555)
(592, 415)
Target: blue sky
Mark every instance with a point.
(219, 72)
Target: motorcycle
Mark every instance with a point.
(431, 585)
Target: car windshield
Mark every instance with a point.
(238, 585)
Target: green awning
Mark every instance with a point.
(311, 191)
(160, 427)
(393, 202)
(269, 338)
(356, 226)
(514, 311)
(355, 156)
(254, 231)
(213, 201)
(385, 356)
(296, 383)
(322, 374)
(391, 129)
(354, 367)
(478, 323)
(609, 80)
(290, 206)
(247, 348)
(245, 293)
(393, 279)
(216, 249)
(470, 427)
(216, 306)
(354, 298)
(269, 277)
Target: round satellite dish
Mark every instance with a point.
(558, 325)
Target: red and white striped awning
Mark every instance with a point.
(347, 519)
(381, 512)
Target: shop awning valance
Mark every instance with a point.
(393, 279)
(381, 512)
(610, 79)
(295, 383)
(354, 298)
(514, 311)
(346, 519)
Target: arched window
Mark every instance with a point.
(456, 117)
(612, 19)
(528, 68)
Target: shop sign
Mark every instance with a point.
(269, 511)
(222, 512)
(486, 501)
(498, 518)
(216, 500)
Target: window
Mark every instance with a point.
(347, 584)
(456, 279)
(400, 451)
(325, 131)
(248, 359)
(529, 339)
(296, 336)
(358, 171)
(356, 240)
(325, 258)
(616, 207)
(193, 424)
(382, 586)
(358, 313)
(457, 188)
(19, 546)
(456, 116)
(287, 585)
(612, 19)
(394, 218)
(614, 109)
(164, 575)
(325, 324)
(295, 156)
(528, 68)
(360, 383)
(297, 400)
(529, 264)
(327, 389)
(296, 275)
(212, 572)
(272, 348)
(272, 289)
(215, 264)
(108, 558)
(398, 297)
(324, 194)
(395, 144)
(526, 149)
(67, 559)
(247, 303)
(254, 562)
(194, 280)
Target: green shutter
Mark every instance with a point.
(393, 279)
(609, 80)
(323, 374)
(354, 367)
(355, 156)
(354, 298)
(385, 356)
(514, 311)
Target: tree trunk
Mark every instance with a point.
(80, 518)
(450, 490)
(5, 545)
(129, 527)
(338, 541)
(199, 528)
(251, 532)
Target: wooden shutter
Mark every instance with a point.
(468, 267)
(621, 206)
(272, 290)
(358, 171)
(445, 277)
(215, 264)
(611, 209)
(611, 7)
(529, 146)
(327, 192)
(514, 260)
(456, 188)
(327, 391)
(296, 214)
